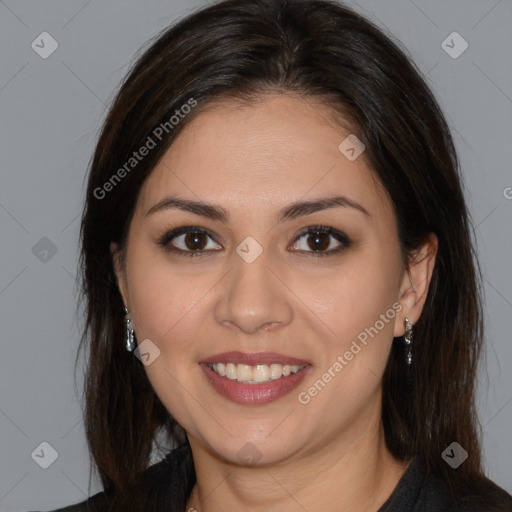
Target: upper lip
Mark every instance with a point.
(253, 359)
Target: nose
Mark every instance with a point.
(253, 299)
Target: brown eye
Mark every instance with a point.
(189, 241)
(195, 241)
(321, 241)
(318, 241)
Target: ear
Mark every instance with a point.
(115, 252)
(416, 282)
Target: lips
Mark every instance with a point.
(254, 359)
(254, 393)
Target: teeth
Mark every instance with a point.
(254, 374)
(244, 372)
(276, 371)
(260, 373)
(231, 372)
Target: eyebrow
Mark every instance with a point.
(290, 212)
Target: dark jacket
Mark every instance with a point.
(170, 482)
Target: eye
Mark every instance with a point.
(188, 241)
(195, 241)
(321, 241)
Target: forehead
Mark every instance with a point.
(262, 155)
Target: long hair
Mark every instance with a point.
(324, 51)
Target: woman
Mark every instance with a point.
(279, 276)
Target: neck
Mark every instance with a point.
(349, 475)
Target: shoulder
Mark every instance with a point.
(158, 477)
(421, 490)
(479, 494)
(483, 496)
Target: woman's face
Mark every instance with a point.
(253, 293)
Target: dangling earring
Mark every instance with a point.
(408, 340)
(131, 344)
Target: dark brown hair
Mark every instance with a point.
(319, 50)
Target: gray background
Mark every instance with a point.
(51, 110)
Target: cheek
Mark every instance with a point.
(357, 306)
(161, 296)
(166, 308)
(351, 301)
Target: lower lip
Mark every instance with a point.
(254, 394)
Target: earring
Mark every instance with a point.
(408, 340)
(131, 344)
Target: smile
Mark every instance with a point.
(254, 374)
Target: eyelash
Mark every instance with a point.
(343, 239)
